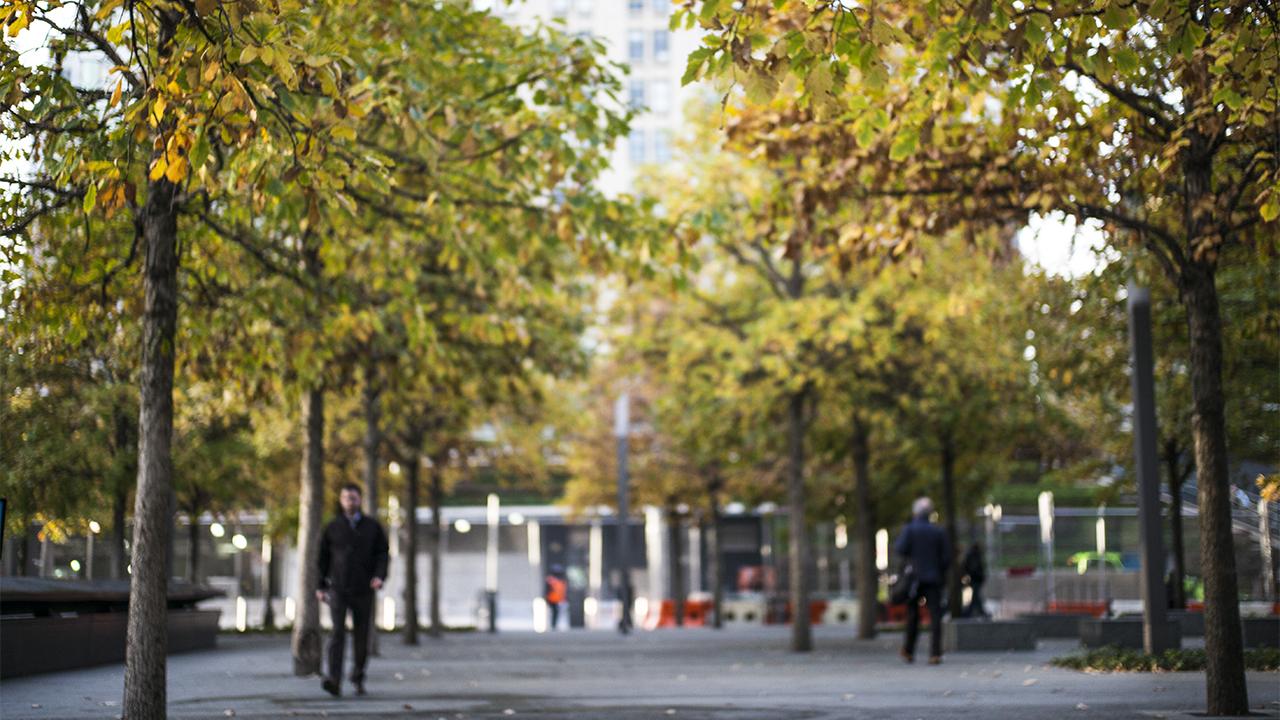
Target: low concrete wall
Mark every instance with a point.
(1055, 625)
(33, 645)
(1123, 632)
(1260, 632)
(1000, 635)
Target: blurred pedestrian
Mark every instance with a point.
(975, 572)
(925, 546)
(554, 592)
(353, 564)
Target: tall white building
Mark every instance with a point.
(635, 33)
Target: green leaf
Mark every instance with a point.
(905, 144)
(1229, 97)
(90, 198)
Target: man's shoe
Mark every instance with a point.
(935, 659)
(331, 686)
(359, 687)
(907, 657)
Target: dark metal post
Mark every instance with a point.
(1155, 638)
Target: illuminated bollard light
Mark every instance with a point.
(242, 614)
(388, 613)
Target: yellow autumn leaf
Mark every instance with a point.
(18, 25)
(115, 94)
(157, 169)
(157, 111)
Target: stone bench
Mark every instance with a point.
(1055, 625)
(1125, 632)
(1192, 622)
(1260, 632)
(982, 635)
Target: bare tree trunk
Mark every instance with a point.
(146, 647)
(798, 546)
(715, 569)
(437, 533)
(674, 528)
(306, 626)
(372, 441)
(411, 551)
(954, 602)
(1227, 692)
(1178, 598)
(868, 574)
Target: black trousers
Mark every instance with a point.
(361, 607)
(932, 594)
(553, 610)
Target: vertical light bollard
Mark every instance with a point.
(621, 430)
(491, 561)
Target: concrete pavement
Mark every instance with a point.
(694, 674)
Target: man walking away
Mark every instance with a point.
(554, 593)
(353, 564)
(925, 546)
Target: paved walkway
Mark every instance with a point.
(695, 674)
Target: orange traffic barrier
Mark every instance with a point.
(1096, 608)
(894, 614)
(663, 615)
(696, 612)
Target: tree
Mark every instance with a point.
(1154, 118)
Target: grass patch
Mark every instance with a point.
(1114, 659)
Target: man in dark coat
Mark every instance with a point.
(353, 564)
(975, 571)
(925, 546)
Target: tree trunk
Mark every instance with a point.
(193, 539)
(120, 497)
(1227, 692)
(868, 573)
(144, 675)
(119, 560)
(798, 547)
(306, 626)
(411, 552)
(437, 545)
(372, 441)
(268, 583)
(1178, 597)
(674, 528)
(715, 569)
(954, 602)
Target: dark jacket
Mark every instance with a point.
(974, 567)
(926, 546)
(350, 559)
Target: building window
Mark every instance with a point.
(662, 7)
(635, 7)
(661, 46)
(636, 95)
(636, 146)
(635, 46)
(661, 102)
(662, 146)
(583, 7)
(559, 8)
